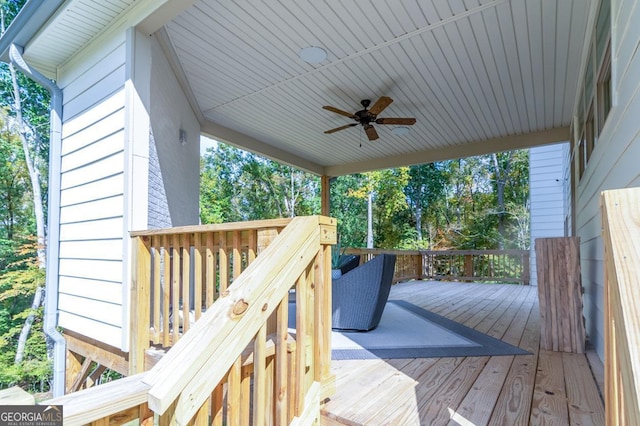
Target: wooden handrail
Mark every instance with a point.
(621, 235)
(456, 265)
(239, 360)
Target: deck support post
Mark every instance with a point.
(140, 295)
(325, 191)
(74, 365)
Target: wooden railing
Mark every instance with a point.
(621, 234)
(456, 265)
(182, 271)
(238, 364)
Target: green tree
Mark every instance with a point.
(237, 185)
(350, 211)
(425, 186)
(25, 119)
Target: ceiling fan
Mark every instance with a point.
(366, 117)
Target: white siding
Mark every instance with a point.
(546, 196)
(108, 99)
(614, 162)
(92, 194)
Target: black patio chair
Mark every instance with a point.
(359, 296)
(348, 262)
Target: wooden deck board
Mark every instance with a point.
(542, 388)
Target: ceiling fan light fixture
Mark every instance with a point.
(313, 54)
(400, 131)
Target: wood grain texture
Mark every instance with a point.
(411, 392)
(621, 235)
(560, 294)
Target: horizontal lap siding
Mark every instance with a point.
(614, 162)
(546, 193)
(92, 196)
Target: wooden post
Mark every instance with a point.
(325, 188)
(560, 294)
(328, 236)
(468, 266)
(621, 233)
(526, 274)
(73, 367)
(140, 301)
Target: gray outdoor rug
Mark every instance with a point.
(408, 331)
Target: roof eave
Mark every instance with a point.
(33, 15)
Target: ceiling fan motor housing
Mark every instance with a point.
(364, 117)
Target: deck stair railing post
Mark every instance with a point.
(621, 235)
(240, 362)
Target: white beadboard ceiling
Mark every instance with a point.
(478, 75)
(468, 71)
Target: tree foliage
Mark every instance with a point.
(24, 148)
(471, 203)
(236, 185)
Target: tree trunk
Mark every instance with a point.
(34, 175)
(418, 216)
(370, 221)
(26, 328)
(501, 180)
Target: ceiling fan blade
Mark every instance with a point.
(371, 132)
(337, 129)
(395, 120)
(338, 111)
(380, 105)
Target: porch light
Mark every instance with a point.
(312, 54)
(400, 131)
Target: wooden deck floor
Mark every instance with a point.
(550, 388)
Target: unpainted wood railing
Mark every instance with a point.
(621, 235)
(238, 364)
(182, 271)
(456, 265)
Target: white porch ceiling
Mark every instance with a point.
(469, 71)
(478, 75)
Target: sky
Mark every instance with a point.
(205, 143)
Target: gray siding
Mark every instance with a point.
(174, 167)
(546, 195)
(614, 162)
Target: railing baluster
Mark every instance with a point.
(166, 290)
(245, 395)
(175, 288)
(259, 377)
(156, 244)
(237, 254)
(253, 246)
(281, 373)
(223, 258)
(210, 272)
(186, 282)
(202, 416)
(233, 394)
(301, 341)
(197, 275)
(217, 404)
